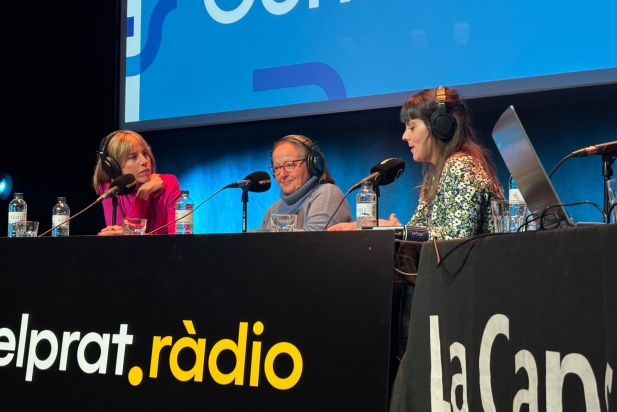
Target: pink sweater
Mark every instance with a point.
(158, 211)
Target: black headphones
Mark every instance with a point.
(314, 162)
(443, 125)
(108, 163)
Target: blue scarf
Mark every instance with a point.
(310, 184)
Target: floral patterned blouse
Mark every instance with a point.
(455, 212)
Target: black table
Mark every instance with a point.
(252, 321)
(514, 319)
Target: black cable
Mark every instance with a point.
(543, 217)
(402, 285)
(544, 213)
(527, 221)
(441, 259)
(336, 210)
(559, 164)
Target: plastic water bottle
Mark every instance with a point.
(514, 196)
(60, 213)
(184, 206)
(366, 205)
(514, 193)
(17, 212)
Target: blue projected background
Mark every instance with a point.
(198, 62)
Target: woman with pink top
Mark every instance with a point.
(126, 152)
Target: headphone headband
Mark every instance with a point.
(443, 125)
(314, 161)
(440, 95)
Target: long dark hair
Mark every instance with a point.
(421, 106)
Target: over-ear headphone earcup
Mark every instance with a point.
(108, 163)
(443, 125)
(314, 163)
(111, 167)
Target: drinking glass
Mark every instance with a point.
(283, 222)
(134, 226)
(28, 228)
(501, 215)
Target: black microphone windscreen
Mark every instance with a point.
(125, 184)
(390, 170)
(260, 182)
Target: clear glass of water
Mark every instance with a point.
(28, 228)
(501, 215)
(284, 222)
(134, 226)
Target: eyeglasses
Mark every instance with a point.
(289, 167)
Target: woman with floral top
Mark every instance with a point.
(459, 176)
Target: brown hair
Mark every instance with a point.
(421, 106)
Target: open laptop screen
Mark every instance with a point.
(524, 165)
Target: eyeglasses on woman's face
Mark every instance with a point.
(289, 167)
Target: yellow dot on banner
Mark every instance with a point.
(258, 328)
(135, 375)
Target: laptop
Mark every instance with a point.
(524, 165)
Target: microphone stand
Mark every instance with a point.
(114, 207)
(607, 172)
(245, 199)
(376, 190)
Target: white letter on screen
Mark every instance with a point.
(279, 8)
(227, 17)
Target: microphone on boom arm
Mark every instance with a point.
(255, 182)
(122, 185)
(602, 149)
(382, 173)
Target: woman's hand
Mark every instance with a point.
(393, 221)
(113, 230)
(339, 227)
(152, 188)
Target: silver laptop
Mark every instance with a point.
(529, 174)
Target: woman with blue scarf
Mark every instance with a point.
(307, 189)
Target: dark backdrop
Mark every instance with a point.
(59, 100)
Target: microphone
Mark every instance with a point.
(122, 185)
(255, 182)
(414, 233)
(383, 173)
(609, 148)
